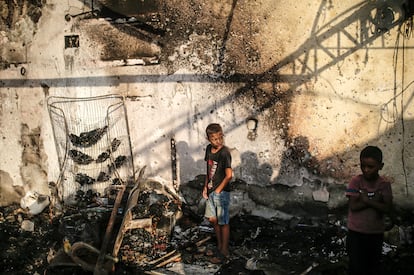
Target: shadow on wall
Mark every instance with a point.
(373, 19)
(187, 162)
(303, 178)
(295, 192)
(305, 64)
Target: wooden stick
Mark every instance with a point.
(151, 272)
(162, 258)
(200, 242)
(99, 263)
(169, 260)
(153, 262)
(309, 269)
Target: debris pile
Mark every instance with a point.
(152, 220)
(156, 233)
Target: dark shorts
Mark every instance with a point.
(218, 206)
(364, 252)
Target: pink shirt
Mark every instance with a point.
(368, 220)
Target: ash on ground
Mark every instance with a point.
(258, 245)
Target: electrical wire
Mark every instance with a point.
(402, 119)
(395, 63)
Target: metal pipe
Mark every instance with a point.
(98, 267)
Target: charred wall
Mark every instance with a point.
(298, 93)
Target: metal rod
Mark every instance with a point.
(174, 164)
(98, 267)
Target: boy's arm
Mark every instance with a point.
(225, 181)
(356, 203)
(363, 201)
(205, 193)
(378, 202)
(353, 193)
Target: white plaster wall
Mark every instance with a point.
(364, 99)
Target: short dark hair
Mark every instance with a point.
(213, 128)
(372, 152)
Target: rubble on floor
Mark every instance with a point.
(35, 244)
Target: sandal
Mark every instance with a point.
(218, 258)
(211, 252)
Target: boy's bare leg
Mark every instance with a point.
(217, 230)
(225, 236)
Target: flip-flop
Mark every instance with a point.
(211, 252)
(218, 258)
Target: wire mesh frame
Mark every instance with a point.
(79, 119)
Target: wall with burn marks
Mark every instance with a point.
(299, 88)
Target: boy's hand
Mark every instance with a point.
(205, 193)
(363, 196)
(368, 197)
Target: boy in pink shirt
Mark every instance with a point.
(370, 197)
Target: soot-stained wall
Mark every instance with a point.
(299, 88)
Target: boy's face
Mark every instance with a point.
(216, 139)
(370, 168)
